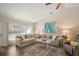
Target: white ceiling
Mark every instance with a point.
(30, 12)
(68, 5)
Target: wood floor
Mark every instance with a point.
(36, 49)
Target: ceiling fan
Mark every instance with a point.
(57, 5)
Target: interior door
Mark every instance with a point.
(0, 34)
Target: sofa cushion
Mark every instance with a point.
(74, 43)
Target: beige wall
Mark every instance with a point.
(0, 33)
(4, 40)
(5, 33)
(74, 31)
(68, 18)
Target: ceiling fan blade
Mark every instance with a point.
(48, 4)
(58, 5)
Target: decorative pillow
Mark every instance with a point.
(39, 36)
(28, 36)
(54, 37)
(21, 37)
(58, 41)
(25, 36)
(67, 42)
(50, 37)
(17, 36)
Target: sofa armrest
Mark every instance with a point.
(68, 48)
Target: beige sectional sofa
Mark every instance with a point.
(72, 48)
(22, 40)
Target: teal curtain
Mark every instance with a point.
(50, 27)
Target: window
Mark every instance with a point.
(21, 29)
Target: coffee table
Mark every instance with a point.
(45, 40)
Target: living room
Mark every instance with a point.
(39, 29)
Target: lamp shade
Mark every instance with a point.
(65, 31)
